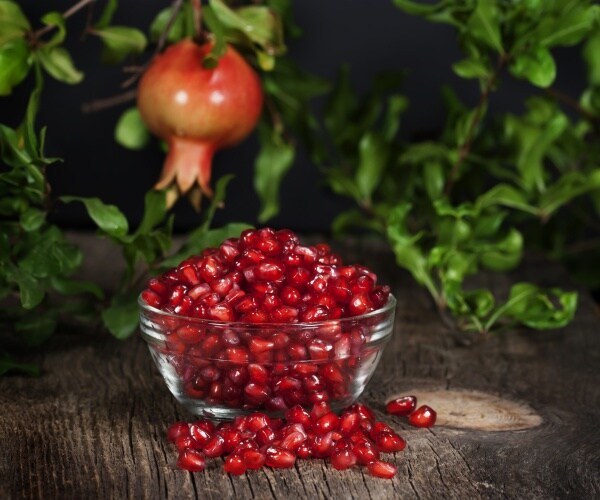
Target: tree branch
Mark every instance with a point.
(573, 103)
(109, 102)
(66, 14)
(465, 147)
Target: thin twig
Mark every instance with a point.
(465, 147)
(573, 103)
(109, 102)
(66, 14)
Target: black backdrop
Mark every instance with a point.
(371, 36)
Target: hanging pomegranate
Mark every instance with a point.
(197, 111)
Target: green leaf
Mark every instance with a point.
(570, 25)
(28, 125)
(567, 187)
(258, 23)
(36, 328)
(30, 290)
(374, 153)
(397, 104)
(7, 364)
(471, 68)
(504, 195)
(216, 201)
(12, 21)
(502, 255)
(155, 210)
(121, 318)
(406, 250)
(345, 222)
(272, 163)
(55, 20)
(535, 308)
(120, 42)
(220, 38)
(179, 29)
(50, 254)
(130, 131)
(536, 65)
(58, 63)
(32, 219)
(67, 286)
(15, 62)
(107, 14)
(441, 12)
(484, 24)
(533, 135)
(591, 54)
(107, 217)
(434, 179)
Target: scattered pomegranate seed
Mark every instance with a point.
(252, 441)
(191, 460)
(382, 469)
(424, 416)
(402, 406)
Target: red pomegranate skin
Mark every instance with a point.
(198, 110)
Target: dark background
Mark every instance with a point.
(371, 36)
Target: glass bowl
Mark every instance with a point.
(221, 370)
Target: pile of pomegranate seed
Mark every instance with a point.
(406, 406)
(252, 441)
(266, 277)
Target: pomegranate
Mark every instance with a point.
(197, 110)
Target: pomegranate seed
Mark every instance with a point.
(363, 411)
(152, 298)
(343, 459)
(304, 451)
(192, 460)
(349, 423)
(215, 447)
(382, 469)
(234, 464)
(264, 436)
(424, 416)
(256, 345)
(328, 422)
(319, 410)
(253, 459)
(365, 452)
(321, 445)
(389, 442)
(257, 421)
(279, 458)
(177, 429)
(200, 434)
(402, 406)
(298, 415)
(293, 440)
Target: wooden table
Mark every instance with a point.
(519, 415)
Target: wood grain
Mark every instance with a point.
(93, 425)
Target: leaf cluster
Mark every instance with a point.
(489, 187)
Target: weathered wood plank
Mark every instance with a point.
(93, 425)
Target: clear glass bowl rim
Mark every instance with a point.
(382, 311)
